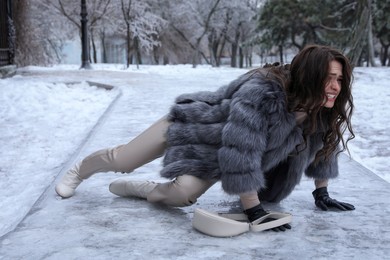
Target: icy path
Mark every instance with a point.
(95, 224)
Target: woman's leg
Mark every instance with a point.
(181, 192)
(146, 147)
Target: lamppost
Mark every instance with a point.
(84, 37)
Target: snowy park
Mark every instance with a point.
(52, 117)
(80, 76)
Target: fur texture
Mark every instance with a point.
(243, 135)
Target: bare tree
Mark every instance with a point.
(241, 30)
(370, 40)
(381, 28)
(39, 38)
(142, 28)
(191, 20)
(173, 49)
(99, 15)
(217, 35)
(362, 34)
(97, 11)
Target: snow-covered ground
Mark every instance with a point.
(43, 121)
(371, 120)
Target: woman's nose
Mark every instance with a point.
(335, 85)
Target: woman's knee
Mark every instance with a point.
(183, 191)
(172, 194)
(118, 161)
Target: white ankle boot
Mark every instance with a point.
(69, 182)
(126, 188)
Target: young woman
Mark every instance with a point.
(257, 135)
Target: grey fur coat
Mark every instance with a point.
(243, 135)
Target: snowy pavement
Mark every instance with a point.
(95, 224)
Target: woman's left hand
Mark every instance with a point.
(324, 202)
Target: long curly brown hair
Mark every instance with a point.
(309, 73)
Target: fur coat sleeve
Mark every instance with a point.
(245, 137)
(324, 169)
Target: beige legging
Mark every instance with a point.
(149, 145)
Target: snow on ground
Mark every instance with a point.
(43, 123)
(371, 120)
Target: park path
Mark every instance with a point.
(95, 224)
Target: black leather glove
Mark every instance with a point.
(324, 202)
(257, 212)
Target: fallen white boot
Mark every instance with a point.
(69, 182)
(126, 188)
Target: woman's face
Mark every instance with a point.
(333, 85)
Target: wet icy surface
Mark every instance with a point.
(95, 224)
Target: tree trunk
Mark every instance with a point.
(281, 53)
(248, 57)
(233, 60)
(220, 52)
(104, 47)
(155, 56)
(195, 57)
(128, 50)
(371, 55)
(94, 52)
(165, 60)
(359, 36)
(137, 52)
(385, 55)
(213, 54)
(241, 58)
